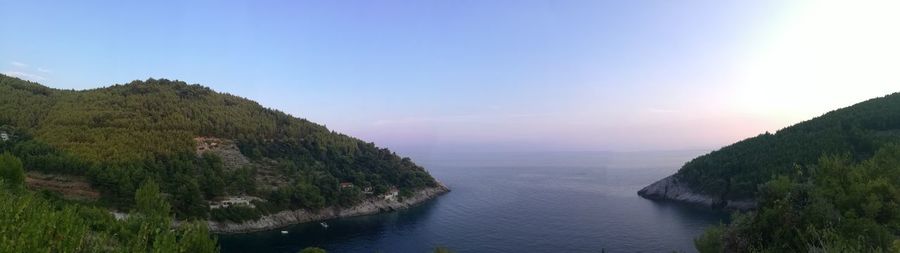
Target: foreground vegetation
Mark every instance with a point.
(33, 222)
(837, 205)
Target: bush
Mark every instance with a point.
(44, 226)
(11, 170)
(313, 250)
(711, 241)
(844, 206)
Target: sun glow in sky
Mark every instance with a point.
(823, 55)
(438, 76)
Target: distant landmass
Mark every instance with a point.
(729, 177)
(215, 156)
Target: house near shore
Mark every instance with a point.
(392, 194)
(231, 201)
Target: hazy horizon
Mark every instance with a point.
(484, 76)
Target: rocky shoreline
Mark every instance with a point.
(670, 189)
(291, 217)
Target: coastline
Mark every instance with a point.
(291, 217)
(670, 189)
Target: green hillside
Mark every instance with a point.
(735, 171)
(829, 184)
(121, 136)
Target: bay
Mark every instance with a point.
(517, 202)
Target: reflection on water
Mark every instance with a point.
(581, 202)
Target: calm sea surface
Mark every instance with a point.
(517, 202)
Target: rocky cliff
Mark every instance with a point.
(670, 189)
(286, 218)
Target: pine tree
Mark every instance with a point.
(11, 171)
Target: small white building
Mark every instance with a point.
(391, 195)
(233, 201)
(4, 136)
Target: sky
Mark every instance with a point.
(475, 75)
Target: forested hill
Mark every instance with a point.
(123, 135)
(735, 171)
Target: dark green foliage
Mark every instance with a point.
(30, 224)
(42, 157)
(11, 171)
(150, 205)
(196, 238)
(844, 206)
(240, 181)
(120, 136)
(734, 172)
(405, 193)
(348, 197)
(312, 250)
(300, 195)
(213, 176)
(711, 241)
(34, 224)
(235, 214)
(188, 198)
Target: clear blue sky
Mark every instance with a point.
(483, 75)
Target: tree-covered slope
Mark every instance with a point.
(122, 135)
(836, 205)
(735, 171)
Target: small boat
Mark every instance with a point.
(284, 232)
(324, 225)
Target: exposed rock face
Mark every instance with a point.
(266, 175)
(224, 148)
(290, 217)
(671, 189)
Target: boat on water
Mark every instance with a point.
(284, 232)
(324, 225)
